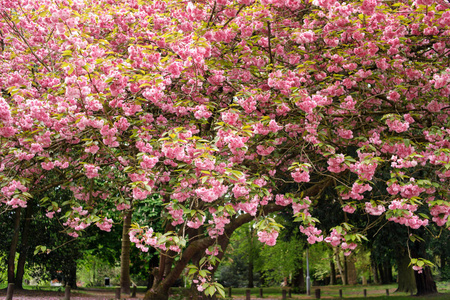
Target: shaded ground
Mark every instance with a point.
(81, 294)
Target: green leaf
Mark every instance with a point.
(210, 290)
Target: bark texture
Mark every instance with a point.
(125, 280)
(332, 272)
(23, 247)
(406, 279)
(425, 282)
(13, 248)
(351, 270)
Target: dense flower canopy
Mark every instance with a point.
(227, 108)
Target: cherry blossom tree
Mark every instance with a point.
(230, 110)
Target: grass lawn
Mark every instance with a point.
(348, 292)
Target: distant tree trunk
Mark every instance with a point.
(443, 261)
(71, 279)
(125, 280)
(387, 267)
(332, 272)
(13, 248)
(425, 282)
(23, 248)
(376, 277)
(250, 272)
(406, 279)
(153, 263)
(345, 271)
(340, 268)
(250, 259)
(383, 278)
(298, 278)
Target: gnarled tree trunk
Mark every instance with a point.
(161, 285)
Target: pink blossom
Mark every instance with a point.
(5, 114)
(50, 214)
(336, 165)
(368, 6)
(349, 209)
(92, 149)
(230, 118)
(214, 251)
(105, 224)
(47, 165)
(16, 202)
(148, 162)
(264, 151)
(140, 194)
(306, 104)
(397, 126)
(305, 37)
(345, 133)
(196, 222)
(269, 238)
(314, 235)
(91, 170)
(240, 191)
(274, 127)
(374, 211)
(202, 111)
(300, 175)
(335, 238)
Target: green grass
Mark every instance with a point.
(374, 292)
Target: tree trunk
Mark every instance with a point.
(125, 280)
(345, 271)
(406, 279)
(23, 248)
(339, 265)
(250, 259)
(298, 278)
(13, 248)
(382, 274)
(351, 270)
(250, 273)
(153, 263)
(161, 293)
(71, 279)
(376, 277)
(160, 288)
(425, 282)
(332, 272)
(388, 272)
